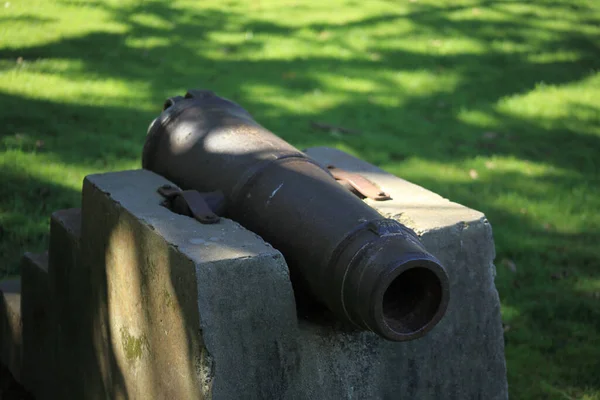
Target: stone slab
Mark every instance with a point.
(179, 309)
(67, 291)
(462, 357)
(10, 325)
(37, 327)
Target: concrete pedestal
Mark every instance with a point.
(142, 303)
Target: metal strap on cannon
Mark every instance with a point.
(201, 206)
(358, 184)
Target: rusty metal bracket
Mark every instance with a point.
(203, 207)
(358, 184)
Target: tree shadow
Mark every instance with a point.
(30, 19)
(550, 311)
(191, 57)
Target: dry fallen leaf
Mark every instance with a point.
(375, 56)
(510, 264)
(560, 275)
(473, 174)
(43, 192)
(323, 35)
(490, 164)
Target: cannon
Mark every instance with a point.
(368, 270)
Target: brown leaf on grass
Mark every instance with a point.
(43, 192)
(560, 275)
(324, 35)
(19, 60)
(375, 56)
(333, 128)
(489, 135)
(473, 174)
(510, 264)
(397, 156)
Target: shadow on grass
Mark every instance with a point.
(551, 315)
(26, 203)
(72, 332)
(427, 126)
(30, 19)
(184, 61)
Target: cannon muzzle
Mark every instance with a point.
(368, 270)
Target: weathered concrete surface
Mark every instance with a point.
(10, 325)
(37, 328)
(167, 307)
(67, 291)
(462, 357)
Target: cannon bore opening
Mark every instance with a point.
(412, 300)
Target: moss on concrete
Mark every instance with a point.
(169, 301)
(133, 347)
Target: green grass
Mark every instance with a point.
(493, 104)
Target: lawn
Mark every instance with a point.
(493, 104)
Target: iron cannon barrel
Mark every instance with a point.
(368, 270)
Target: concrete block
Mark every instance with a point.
(10, 326)
(37, 327)
(462, 357)
(67, 294)
(178, 309)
